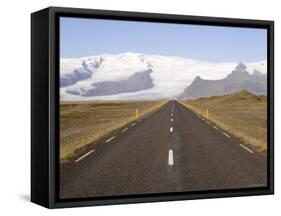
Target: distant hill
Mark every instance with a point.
(238, 80)
(236, 98)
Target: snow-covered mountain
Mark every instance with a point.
(138, 76)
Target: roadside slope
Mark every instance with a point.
(83, 123)
(241, 114)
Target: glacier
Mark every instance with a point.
(169, 75)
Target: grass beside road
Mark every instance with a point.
(84, 123)
(241, 114)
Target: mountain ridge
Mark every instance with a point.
(170, 75)
(239, 79)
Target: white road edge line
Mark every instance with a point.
(171, 129)
(207, 122)
(170, 158)
(215, 127)
(226, 134)
(133, 124)
(249, 150)
(124, 130)
(85, 155)
(110, 139)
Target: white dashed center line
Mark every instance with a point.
(124, 130)
(110, 139)
(170, 158)
(171, 114)
(226, 134)
(249, 150)
(85, 155)
(172, 119)
(171, 129)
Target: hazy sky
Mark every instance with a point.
(83, 37)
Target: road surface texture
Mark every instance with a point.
(171, 150)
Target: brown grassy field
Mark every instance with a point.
(241, 114)
(83, 123)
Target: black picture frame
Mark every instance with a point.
(45, 101)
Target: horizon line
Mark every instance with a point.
(150, 54)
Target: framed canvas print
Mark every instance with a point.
(138, 107)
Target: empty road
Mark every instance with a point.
(168, 151)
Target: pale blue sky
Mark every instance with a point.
(84, 37)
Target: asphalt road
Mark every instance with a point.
(171, 150)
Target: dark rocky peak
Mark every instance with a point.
(240, 67)
(197, 79)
